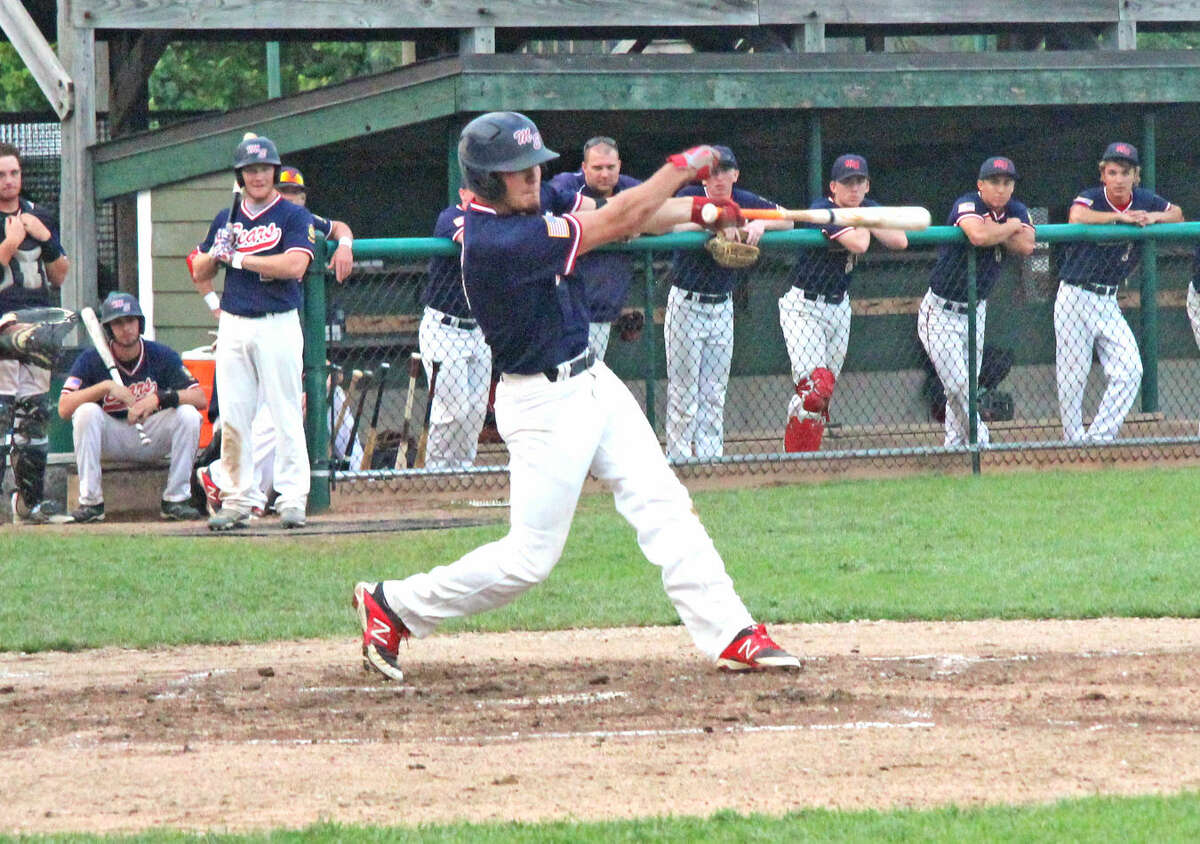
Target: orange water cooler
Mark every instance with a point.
(202, 363)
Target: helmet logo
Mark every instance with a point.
(257, 150)
(528, 136)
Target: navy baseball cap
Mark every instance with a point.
(728, 159)
(1121, 151)
(998, 165)
(848, 166)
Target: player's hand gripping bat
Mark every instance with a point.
(906, 217)
(373, 431)
(100, 342)
(406, 451)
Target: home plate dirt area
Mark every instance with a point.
(597, 724)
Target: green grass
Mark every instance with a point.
(1103, 819)
(1045, 545)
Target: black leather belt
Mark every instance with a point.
(571, 368)
(705, 298)
(459, 322)
(827, 298)
(955, 307)
(1101, 289)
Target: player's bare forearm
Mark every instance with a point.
(1022, 242)
(69, 402)
(666, 217)
(988, 232)
(1173, 214)
(1085, 215)
(195, 397)
(56, 270)
(285, 267)
(627, 214)
(204, 270)
(891, 238)
(855, 240)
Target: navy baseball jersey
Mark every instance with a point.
(322, 225)
(529, 259)
(608, 275)
(23, 283)
(444, 289)
(279, 228)
(694, 269)
(157, 366)
(948, 278)
(827, 271)
(1107, 263)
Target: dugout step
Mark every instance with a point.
(132, 490)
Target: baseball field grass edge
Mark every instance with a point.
(1047, 545)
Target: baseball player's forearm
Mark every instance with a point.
(988, 232)
(891, 238)
(1087, 216)
(56, 270)
(1021, 243)
(666, 217)
(855, 240)
(627, 214)
(70, 401)
(285, 267)
(204, 269)
(1173, 214)
(193, 396)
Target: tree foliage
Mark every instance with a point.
(208, 76)
(18, 90)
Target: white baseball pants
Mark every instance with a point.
(98, 436)
(556, 433)
(460, 396)
(598, 336)
(699, 340)
(816, 333)
(1083, 319)
(259, 359)
(944, 334)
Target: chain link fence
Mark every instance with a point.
(1022, 369)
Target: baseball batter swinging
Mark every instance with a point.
(562, 412)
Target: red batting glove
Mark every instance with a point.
(701, 159)
(729, 212)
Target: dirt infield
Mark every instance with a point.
(597, 724)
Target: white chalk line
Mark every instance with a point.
(554, 700)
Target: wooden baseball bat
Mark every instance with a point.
(406, 450)
(373, 431)
(358, 412)
(100, 342)
(355, 377)
(906, 217)
(433, 374)
(335, 375)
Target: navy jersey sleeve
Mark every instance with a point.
(1149, 200)
(567, 182)
(747, 199)
(215, 226)
(175, 375)
(87, 370)
(52, 249)
(323, 226)
(559, 200)
(537, 242)
(299, 234)
(1019, 210)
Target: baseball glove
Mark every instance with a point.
(732, 254)
(630, 324)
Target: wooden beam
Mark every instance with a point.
(341, 112)
(37, 54)
(77, 206)
(404, 14)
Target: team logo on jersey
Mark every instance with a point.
(528, 136)
(258, 238)
(557, 226)
(312, 234)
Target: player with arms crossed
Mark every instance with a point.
(562, 412)
(815, 313)
(31, 262)
(995, 225)
(1086, 313)
(265, 248)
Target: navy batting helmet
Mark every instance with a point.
(256, 151)
(498, 142)
(119, 305)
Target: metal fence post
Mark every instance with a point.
(316, 414)
(1149, 344)
(648, 337)
(972, 356)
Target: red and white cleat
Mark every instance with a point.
(753, 649)
(382, 631)
(212, 492)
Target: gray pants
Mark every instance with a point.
(174, 432)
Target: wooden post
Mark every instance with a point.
(77, 202)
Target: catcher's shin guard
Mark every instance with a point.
(808, 412)
(30, 447)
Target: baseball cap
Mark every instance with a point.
(998, 165)
(847, 166)
(728, 159)
(1121, 151)
(291, 179)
